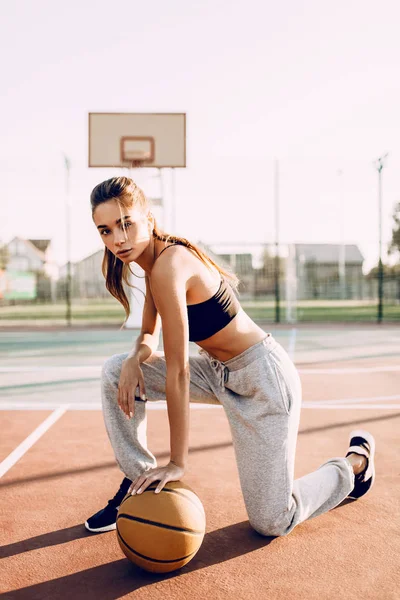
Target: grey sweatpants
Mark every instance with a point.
(260, 391)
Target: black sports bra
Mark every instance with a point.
(208, 317)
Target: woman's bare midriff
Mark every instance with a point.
(239, 335)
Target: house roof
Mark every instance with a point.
(29, 243)
(328, 253)
(41, 245)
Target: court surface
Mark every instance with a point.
(57, 468)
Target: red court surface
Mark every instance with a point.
(69, 473)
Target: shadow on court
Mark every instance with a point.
(218, 546)
(54, 538)
(120, 577)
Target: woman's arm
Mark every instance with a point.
(168, 282)
(177, 392)
(149, 337)
(131, 377)
(169, 278)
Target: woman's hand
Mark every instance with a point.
(130, 379)
(171, 472)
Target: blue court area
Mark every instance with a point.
(343, 365)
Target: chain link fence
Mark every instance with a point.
(303, 282)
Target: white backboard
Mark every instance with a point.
(154, 140)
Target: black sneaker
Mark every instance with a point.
(104, 520)
(363, 443)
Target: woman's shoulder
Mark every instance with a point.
(184, 265)
(173, 259)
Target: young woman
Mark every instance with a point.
(238, 365)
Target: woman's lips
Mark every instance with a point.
(124, 252)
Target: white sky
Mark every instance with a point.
(313, 83)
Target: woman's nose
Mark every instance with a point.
(120, 237)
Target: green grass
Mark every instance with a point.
(110, 312)
(326, 313)
(107, 312)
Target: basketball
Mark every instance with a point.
(161, 532)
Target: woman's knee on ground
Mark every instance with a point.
(267, 526)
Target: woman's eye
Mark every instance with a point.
(124, 226)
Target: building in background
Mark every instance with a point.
(33, 257)
(87, 277)
(313, 269)
(87, 280)
(317, 271)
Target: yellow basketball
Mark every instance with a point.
(161, 532)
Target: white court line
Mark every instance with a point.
(356, 400)
(15, 405)
(156, 405)
(16, 454)
(291, 349)
(344, 371)
(96, 406)
(50, 368)
(350, 406)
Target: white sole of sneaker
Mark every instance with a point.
(370, 472)
(101, 529)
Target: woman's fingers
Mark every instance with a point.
(161, 484)
(136, 485)
(132, 486)
(136, 482)
(148, 481)
(143, 482)
(126, 399)
(142, 390)
(131, 404)
(123, 401)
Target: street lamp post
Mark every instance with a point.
(277, 265)
(379, 164)
(342, 246)
(68, 239)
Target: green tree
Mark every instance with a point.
(4, 257)
(391, 272)
(394, 247)
(395, 243)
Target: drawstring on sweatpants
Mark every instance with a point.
(219, 367)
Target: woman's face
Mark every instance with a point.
(125, 232)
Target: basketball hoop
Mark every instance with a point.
(137, 151)
(136, 163)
